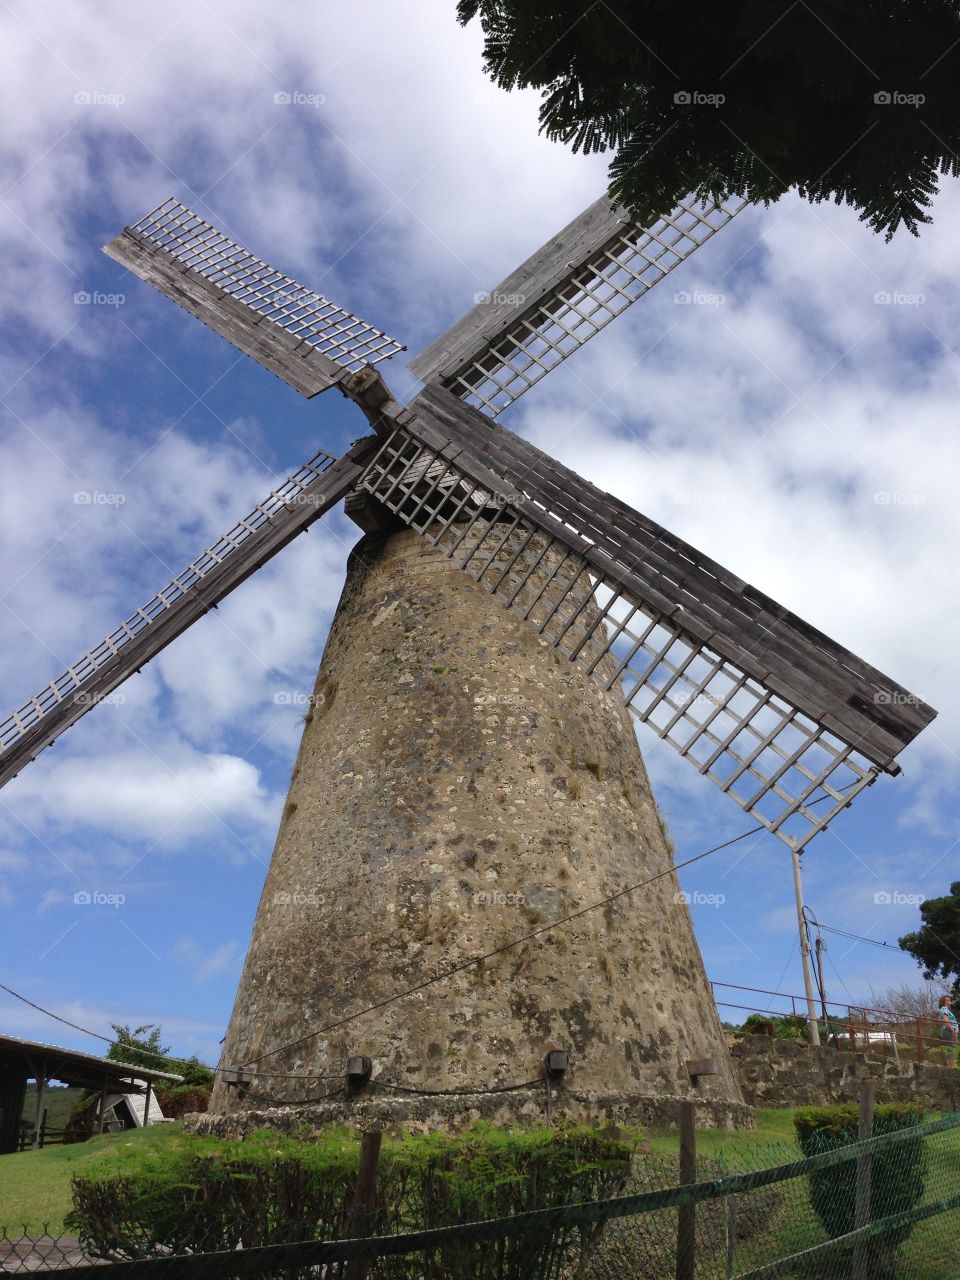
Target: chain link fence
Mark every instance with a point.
(887, 1208)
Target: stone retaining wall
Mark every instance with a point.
(786, 1073)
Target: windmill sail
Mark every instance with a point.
(562, 296)
(779, 716)
(313, 489)
(299, 335)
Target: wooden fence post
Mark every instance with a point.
(364, 1205)
(861, 1256)
(731, 1216)
(687, 1214)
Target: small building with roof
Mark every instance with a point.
(126, 1090)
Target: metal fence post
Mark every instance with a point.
(861, 1256)
(687, 1213)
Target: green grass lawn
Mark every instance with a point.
(774, 1133)
(35, 1185)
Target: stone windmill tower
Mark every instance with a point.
(468, 777)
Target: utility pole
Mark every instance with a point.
(813, 1031)
(818, 945)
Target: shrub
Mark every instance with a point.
(897, 1180)
(785, 1027)
(758, 1025)
(178, 1099)
(200, 1194)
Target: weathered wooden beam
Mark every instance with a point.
(522, 290)
(562, 296)
(293, 361)
(826, 681)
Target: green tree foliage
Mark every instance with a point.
(936, 944)
(854, 101)
(782, 1027)
(141, 1047)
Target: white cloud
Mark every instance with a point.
(166, 796)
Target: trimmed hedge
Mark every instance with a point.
(898, 1174)
(201, 1194)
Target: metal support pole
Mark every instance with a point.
(820, 982)
(146, 1105)
(813, 1030)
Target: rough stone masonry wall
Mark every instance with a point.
(459, 783)
(786, 1073)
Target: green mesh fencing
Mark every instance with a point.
(877, 1210)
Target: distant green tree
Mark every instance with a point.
(141, 1047)
(936, 944)
(854, 101)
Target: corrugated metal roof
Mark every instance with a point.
(73, 1062)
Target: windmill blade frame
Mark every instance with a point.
(776, 714)
(286, 512)
(562, 296)
(297, 334)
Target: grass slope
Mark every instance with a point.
(35, 1185)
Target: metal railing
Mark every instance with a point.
(847, 1026)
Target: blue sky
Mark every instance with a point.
(796, 426)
